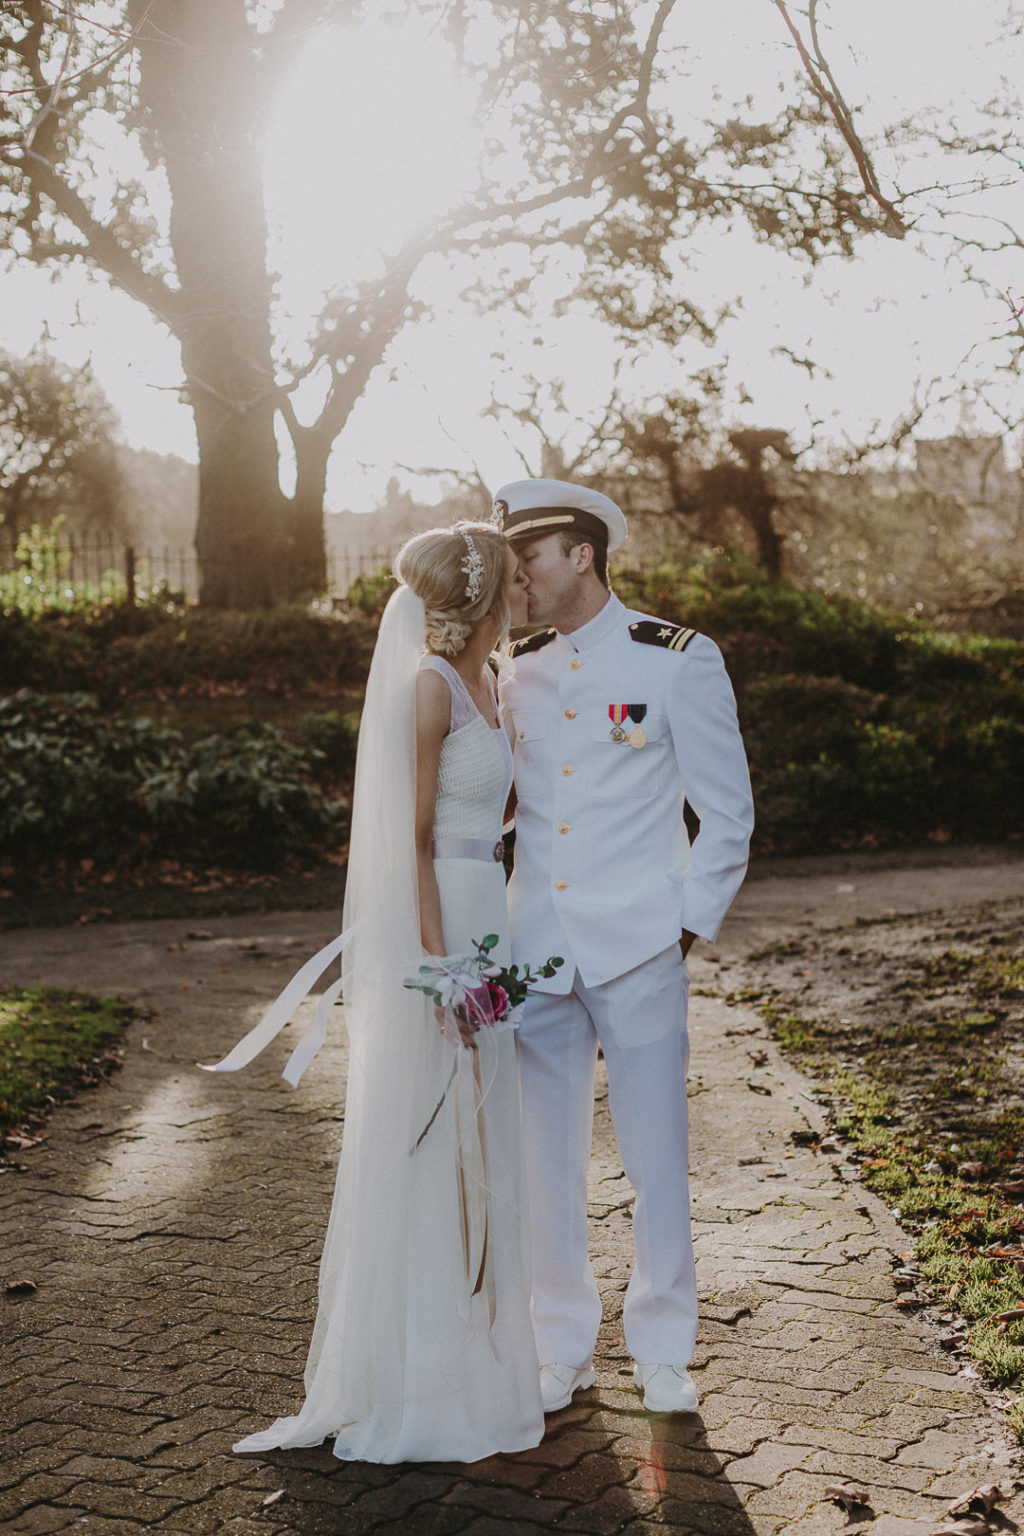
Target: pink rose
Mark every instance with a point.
(499, 1000)
(486, 1004)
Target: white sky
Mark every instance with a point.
(877, 325)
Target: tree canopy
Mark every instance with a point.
(582, 147)
(58, 455)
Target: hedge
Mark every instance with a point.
(77, 783)
(862, 727)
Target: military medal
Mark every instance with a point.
(617, 713)
(637, 736)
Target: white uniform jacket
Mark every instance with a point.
(604, 872)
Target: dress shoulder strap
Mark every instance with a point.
(463, 708)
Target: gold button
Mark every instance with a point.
(561, 885)
(563, 827)
(566, 771)
(575, 663)
(570, 714)
(521, 735)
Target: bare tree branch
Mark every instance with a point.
(101, 245)
(830, 96)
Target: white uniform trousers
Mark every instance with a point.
(639, 1019)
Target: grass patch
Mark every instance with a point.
(953, 1220)
(52, 1042)
(926, 1094)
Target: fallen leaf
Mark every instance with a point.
(906, 1277)
(848, 1495)
(272, 1498)
(20, 1288)
(758, 1057)
(199, 933)
(988, 1497)
(1013, 1316)
(95, 915)
(1010, 1186)
(759, 1088)
(971, 1170)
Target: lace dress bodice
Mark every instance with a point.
(475, 772)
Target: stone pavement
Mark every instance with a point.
(172, 1221)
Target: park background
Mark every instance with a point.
(285, 282)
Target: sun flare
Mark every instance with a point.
(373, 139)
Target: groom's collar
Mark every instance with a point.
(598, 628)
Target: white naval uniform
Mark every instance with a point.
(605, 876)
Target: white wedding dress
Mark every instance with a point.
(423, 1347)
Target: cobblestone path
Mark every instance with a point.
(171, 1223)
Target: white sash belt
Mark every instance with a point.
(468, 848)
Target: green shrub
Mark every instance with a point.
(978, 784)
(40, 583)
(76, 783)
(238, 799)
(861, 726)
(370, 594)
(115, 656)
(332, 739)
(69, 775)
(834, 765)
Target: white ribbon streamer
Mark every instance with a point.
(281, 1011)
(308, 1047)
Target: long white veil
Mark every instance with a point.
(355, 1371)
(358, 1340)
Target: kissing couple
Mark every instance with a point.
(457, 1304)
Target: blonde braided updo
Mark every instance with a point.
(433, 564)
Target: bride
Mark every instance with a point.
(423, 1346)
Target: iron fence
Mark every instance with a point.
(68, 570)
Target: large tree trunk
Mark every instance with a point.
(245, 556)
(203, 96)
(306, 509)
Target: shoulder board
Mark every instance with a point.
(671, 637)
(532, 643)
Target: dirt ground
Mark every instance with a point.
(911, 984)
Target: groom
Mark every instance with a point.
(617, 717)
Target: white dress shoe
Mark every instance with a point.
(559, 1382)
(666, 1388)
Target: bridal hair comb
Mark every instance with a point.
(473, 567)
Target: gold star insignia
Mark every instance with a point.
(663, 634)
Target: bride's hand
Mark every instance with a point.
(467, 1031)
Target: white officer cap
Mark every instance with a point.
(530, 508)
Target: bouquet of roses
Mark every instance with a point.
(479, 993)
(475, 994)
